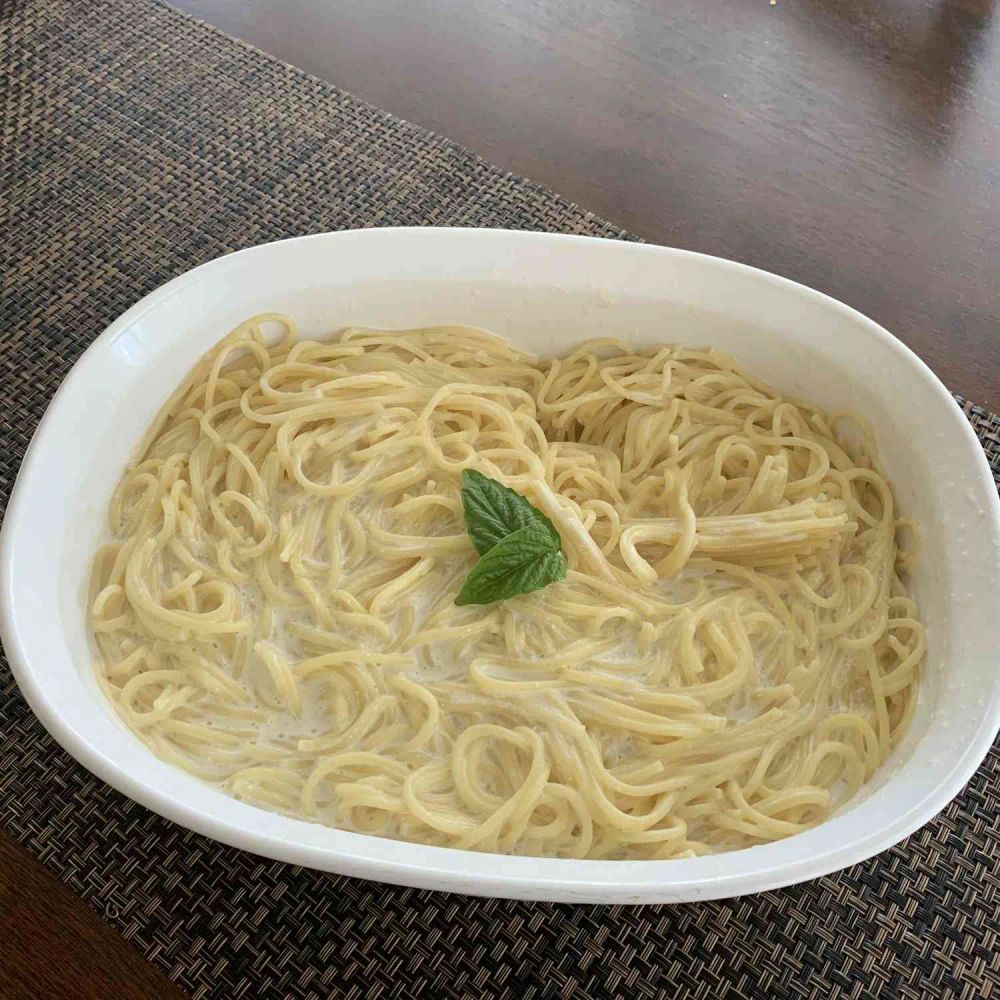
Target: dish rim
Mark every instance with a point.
(773, 865)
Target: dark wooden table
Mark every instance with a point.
(853, 145)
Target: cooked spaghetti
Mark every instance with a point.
(729, 657)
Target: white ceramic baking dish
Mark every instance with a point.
(545, 293)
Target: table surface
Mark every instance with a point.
(853, 145)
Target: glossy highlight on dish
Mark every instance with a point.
(730, 656)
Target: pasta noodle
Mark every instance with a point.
(730, 657)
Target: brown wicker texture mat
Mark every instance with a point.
(136, 143)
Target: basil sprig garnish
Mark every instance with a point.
(519, 546)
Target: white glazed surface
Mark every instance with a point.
(546, 293)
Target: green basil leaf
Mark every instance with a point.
(524, 561)
(493, 511)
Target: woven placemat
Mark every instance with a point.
(136, 143)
